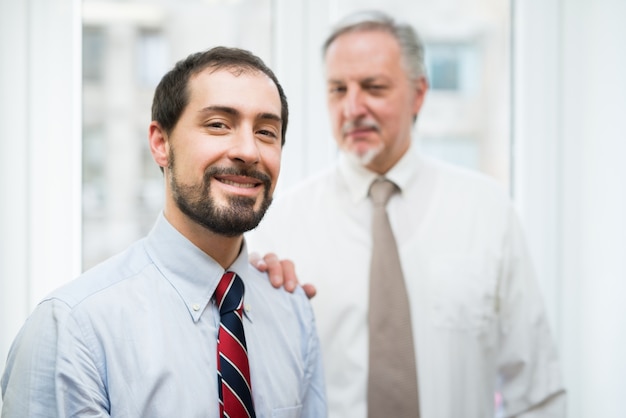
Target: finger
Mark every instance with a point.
(274, 269)
(255, 259)
(289, 275)
(309, 290)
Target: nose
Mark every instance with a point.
(354, 104)
(244, 148)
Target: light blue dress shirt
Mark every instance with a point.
(136, 337)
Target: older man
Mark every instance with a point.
(427, 304)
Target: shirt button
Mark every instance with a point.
(195, 307)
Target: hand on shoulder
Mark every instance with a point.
(281, 272)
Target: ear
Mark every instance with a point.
(421, 87)
(159, 144)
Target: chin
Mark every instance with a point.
(365, 157)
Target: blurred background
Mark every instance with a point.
(530, 92)
(128, 46)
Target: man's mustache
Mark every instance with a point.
(351, 125)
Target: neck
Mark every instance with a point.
(224, 250)
(390, 156)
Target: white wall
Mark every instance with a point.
(14, 165)
(594, 201)
(570, 146)
(39, 154)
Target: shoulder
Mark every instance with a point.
(259, 283)
(462, 183)
(310, 188)
(107, 275)
(460, 176)
(293, 209)
(83, 296)
(272, 303)
(51, 331)
(291, 205)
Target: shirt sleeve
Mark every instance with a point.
(28, 384)
(529, 371)
(38, 381)
(314, 399)
(80, 388)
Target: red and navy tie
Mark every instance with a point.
(233, 370)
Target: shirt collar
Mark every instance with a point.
(193, 274)
(358, 178)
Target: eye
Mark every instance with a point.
(376, 87)
(215, 124)
(267, 135)
(337, 89)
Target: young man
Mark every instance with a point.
(164, 329)
(474, 320)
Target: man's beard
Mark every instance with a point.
(366, 157)
(237, 217)
(363, 158)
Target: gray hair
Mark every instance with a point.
(411, 46)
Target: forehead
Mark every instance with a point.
(249, 90)
(361, 54)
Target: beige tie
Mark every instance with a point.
(392, 382)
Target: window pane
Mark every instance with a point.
(128, 46)
(93, 54)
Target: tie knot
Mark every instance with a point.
(381, 191)
(229, 293)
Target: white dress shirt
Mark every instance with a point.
(477, 313)
(136, 336)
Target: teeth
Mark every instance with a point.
(243, 185)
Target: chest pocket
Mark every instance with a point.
(462, 291)
(290, 412)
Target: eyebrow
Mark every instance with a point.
(234, 112)
(221, 109)
(270, 116)
(369, 79)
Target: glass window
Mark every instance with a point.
(152, 55)
(93, 54)
(444, 70)
(453, 67)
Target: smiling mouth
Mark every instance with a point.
(239, 178)
(246, 185)
(360, 131)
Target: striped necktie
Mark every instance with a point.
(392, 381)
(233, 371)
